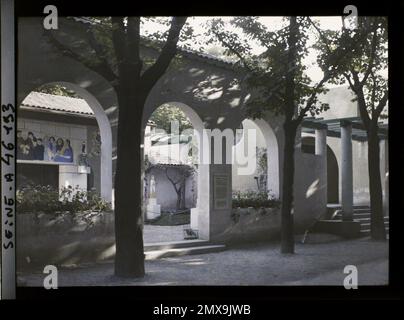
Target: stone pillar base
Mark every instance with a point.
(153, 209)
(194, 218)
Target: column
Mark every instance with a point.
(321, 142)
(384, 172)
(321, 150)
(346, 171)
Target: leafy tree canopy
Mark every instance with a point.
(267, 70)
(164, 115)
(363, 67)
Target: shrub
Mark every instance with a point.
(260, 199)
(46, 199)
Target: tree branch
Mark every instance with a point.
(99, 50)
(324, 38)
(310, 101)
(101, 68)
(234, 51)
(172, 181)
(351, 85)
(133, 46)
(373, 95)
(153, 73)
(290, 74)
(363, 107)
(372, 54)
(118, 40)
(382, 103)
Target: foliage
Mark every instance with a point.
(164, 115)
(266, 71)
(363, 66)
(254, 199)
(363, 69)
(178, 181)
(58, 90)
(46, 199)
(262, 159)
(172, 219)
(98, 49)
(96, 144)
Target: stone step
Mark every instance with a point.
(338, 206)
(164, 253)
(175, 244)
(367, 225)
(366, 232)
(361, 210)
(386, 219)
(357, 215)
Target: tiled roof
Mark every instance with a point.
(52, 102)
(44, 101)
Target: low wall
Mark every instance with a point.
(249, 224)
(310, 190)
(64, 239)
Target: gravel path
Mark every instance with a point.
(259, 264)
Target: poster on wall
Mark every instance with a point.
(221, 189)
(31, 146)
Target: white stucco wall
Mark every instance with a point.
(310, 188)
(360, 168)
(340, 102)
(246, 182)
(165, 193)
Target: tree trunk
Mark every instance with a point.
(129, 258)
(179, 198)
(183, 190)
(377, 230)
(287, 233)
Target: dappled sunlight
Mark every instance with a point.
(314, 187)
(111, 110)
(195, 72)
(220, 120)
(194, 262)
(235, 102)
(85, 84)
(107, 253)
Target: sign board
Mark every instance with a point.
(221, 191)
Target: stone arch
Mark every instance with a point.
(202, 210)
(105, 132)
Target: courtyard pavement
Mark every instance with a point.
(258, 264)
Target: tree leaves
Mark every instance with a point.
(363, 64)
(269, 71)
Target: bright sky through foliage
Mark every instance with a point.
(272, 23)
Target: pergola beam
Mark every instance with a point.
(333, 126)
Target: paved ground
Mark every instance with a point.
(162, 233)
(259, 264)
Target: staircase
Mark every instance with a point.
(155, 251)
(362, 215)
